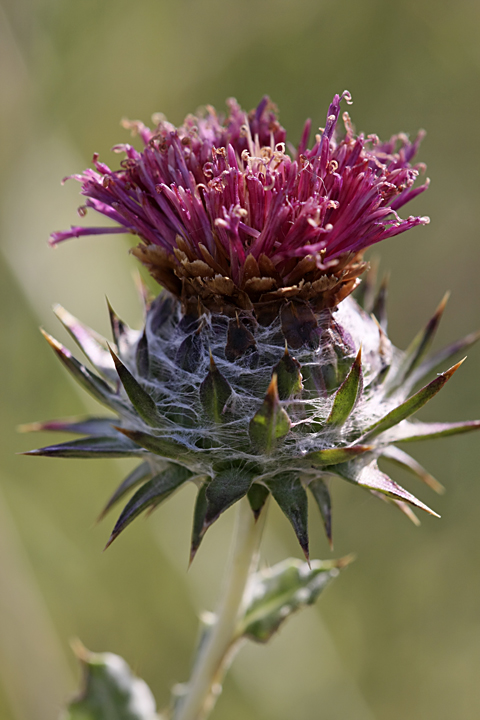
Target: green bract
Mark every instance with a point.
(224, 403)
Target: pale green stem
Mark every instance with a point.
(204, 684)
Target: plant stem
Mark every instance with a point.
(204, 685)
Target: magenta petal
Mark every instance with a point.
(77, 231)
(226, 184)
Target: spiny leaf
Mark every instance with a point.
(434, 361)
(123, 336)
(91, 447)
(347, 394)
(320, 492)
(198, 520)
(87, 426)
(142, 355)
(400, 505)
(153, 492)
(418, 347)
(406, 510)
(370, 477)
(119, 328)
(140, 399)
(401, 458)
(380, 305)
(93, 345)
(215, 392)
(410, 406)
(411, 431)
(289, 377)
(224, 490)
(88, 380)
(280, 591)
(271, 422)
(110, 690)
(385, 355)
(421, 343)
(291, 497)
(141, 473)
(257, 497)
(333, 456)
(158, 445)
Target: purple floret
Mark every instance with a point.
(228, 186)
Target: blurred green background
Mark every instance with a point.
(398, 635)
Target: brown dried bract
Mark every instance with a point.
(263, 290)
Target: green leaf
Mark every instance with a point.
(86, 426)
(91, 447)
(371, 478)
(110, 691)
(291, 497)
(199, 514)
(418, 347)
(333, 456)
(97, 387)
(280, 591)
(158, 445)
(411, 431)
(257, 497)
(93, 345)
(215, 392)
(434, 361)
(225, 489)
(139, 474)
(140, 399)
(320, 492)
(271, 422)
(289, 377)
(401, 458)
(347, 394)
(410, 406)
(152, 493)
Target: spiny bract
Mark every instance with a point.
(256, 372)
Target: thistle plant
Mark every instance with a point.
(256, 373)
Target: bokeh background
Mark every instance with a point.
(398, 635)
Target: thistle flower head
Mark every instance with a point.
(257, 243)
(228, 215)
